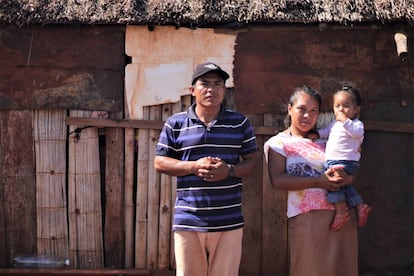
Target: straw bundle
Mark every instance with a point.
(85, 214)
(49, 131)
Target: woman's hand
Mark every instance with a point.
(334, 178)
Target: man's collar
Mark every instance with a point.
(193, 116)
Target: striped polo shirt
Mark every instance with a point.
(200, 205)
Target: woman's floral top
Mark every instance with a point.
(303, 158)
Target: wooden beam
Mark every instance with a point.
(98, 122)
(389, 126)
(369, 126)
(259, 130)
(25, 271)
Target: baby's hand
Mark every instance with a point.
(313, 136)
(338, 168)
(341, 117)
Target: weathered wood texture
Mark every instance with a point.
(253, 213)
(153, 193)
(62, 67)
(130, 148)
(274, 260)
(50, 134)
(270, 63)
(3, 231)
(74, 272)
(165, 208)
(141, 218)
(113, 202)
(18, 197)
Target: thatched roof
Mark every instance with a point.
(199, 12)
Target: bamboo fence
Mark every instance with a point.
(69, 190)
(85, 211)
(50, 134)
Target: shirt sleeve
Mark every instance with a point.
(165, 145)
(355, 128)
(274, 143)
(249, 142)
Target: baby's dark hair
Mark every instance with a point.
(296, 92)
(353, 92)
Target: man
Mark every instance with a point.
(209, 149)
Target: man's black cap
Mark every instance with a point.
(207, 67)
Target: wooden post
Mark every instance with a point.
(17, 184)
(165, 208)
(142, 196)
(128, 196)
(114, 198)
(153, 193)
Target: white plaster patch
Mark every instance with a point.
(154, 84)
(163, 61)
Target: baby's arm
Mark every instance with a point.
(324, 132)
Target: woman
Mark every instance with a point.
(295, 164)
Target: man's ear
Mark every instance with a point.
(191, 89)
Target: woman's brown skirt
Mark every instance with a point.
(315, 250)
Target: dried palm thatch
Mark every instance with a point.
(196, 12)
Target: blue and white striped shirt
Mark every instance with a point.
(200, 205)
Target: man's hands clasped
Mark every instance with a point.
(211, 169)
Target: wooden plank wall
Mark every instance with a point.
(49, 67)
(155, 195)
(270, 62)
(17, 182)
(44, 68)
(264, 242)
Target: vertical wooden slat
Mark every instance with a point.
(274, 241)
(3, 214)
(183, 105)
(18, 183)
(49, 129)
(128, 197)
(165, 208)
(153, 193)
(114, 198)
(252, 195)
(85, 212)
(142, 196)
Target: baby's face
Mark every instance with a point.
(344, 105)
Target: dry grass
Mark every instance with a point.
(196, 12)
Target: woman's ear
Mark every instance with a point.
(289, 108)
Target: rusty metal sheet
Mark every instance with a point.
(62, 67)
